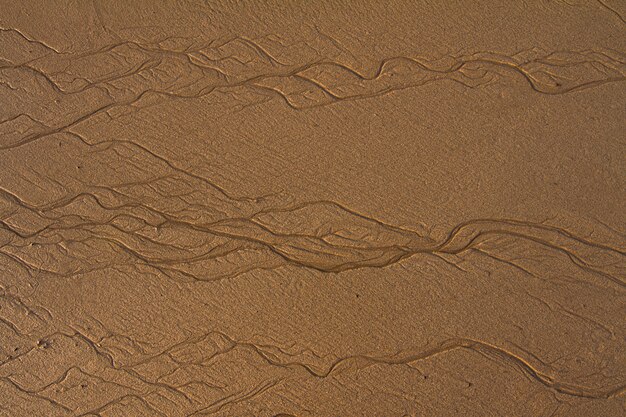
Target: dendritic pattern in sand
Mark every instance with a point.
(292, 209)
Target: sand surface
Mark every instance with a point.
(313, 208)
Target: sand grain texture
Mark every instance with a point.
(320, 208)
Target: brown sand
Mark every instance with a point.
(313, 208)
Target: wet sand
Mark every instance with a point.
(406, 208)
